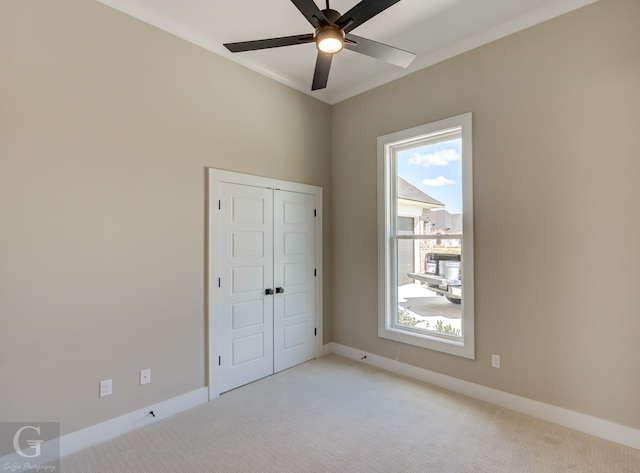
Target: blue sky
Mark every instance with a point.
(435, 169)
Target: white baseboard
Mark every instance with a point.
(574, 420)
(80, 439)
(111, 428)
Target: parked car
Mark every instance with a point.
(443, 275)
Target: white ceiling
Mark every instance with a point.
(433, 29)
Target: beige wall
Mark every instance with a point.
(106, 128)
(556, 169)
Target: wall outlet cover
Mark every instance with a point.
(106, 388)
(145, 376)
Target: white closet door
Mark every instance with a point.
(243, 318)
(265, 255)
(294, 279)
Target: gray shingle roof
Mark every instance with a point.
(410, 192)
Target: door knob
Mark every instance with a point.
(268, 292)
(279, 290)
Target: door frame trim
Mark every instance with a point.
(214, 178)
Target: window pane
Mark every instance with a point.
(429, 203)
(406, 250)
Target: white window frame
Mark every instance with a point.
(388, 146)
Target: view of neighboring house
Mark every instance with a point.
(421, 214)
(415, 209)
(444, 222)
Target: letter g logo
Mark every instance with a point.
(35, 444)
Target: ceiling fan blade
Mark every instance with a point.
(363, 11)
(269, 43)
(384, 52)
(311, 12)
(321, 74)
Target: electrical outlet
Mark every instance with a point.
(495, 361)
(145, 376)
(106, 388)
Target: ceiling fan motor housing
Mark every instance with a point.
(331, 15)
(329, 38)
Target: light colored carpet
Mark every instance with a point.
(335, 415)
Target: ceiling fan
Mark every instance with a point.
(332, 34)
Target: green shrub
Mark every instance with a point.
(447, 329)
(404, 318)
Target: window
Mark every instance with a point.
(425, 204)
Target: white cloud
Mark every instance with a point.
(438, 182)
(439, 158)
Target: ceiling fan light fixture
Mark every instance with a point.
(330, 40)
(332, 32)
